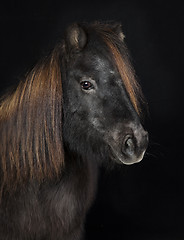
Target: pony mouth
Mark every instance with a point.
(123, 159)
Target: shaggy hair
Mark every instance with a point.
(31, 127)
(121, 60)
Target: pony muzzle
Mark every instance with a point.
(134, 146)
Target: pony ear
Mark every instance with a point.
(118, 30)
(76, 37)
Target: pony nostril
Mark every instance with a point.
(128, 146)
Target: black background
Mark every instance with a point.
(143, 201)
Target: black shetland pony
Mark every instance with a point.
(78, 108)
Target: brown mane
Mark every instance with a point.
(30, 125)
(126, 73)
(117, 47)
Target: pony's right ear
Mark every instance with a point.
(76, 37)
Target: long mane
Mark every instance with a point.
(30, 126)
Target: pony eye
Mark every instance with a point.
(86, 85)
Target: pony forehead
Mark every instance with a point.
(111, 42)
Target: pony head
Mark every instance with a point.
(101, 96)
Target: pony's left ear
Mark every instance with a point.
(76, 37)
(118, 30)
